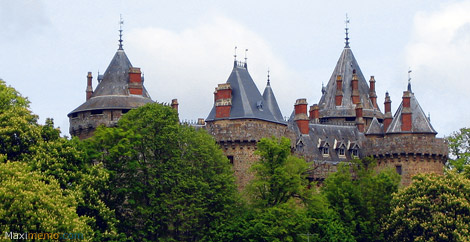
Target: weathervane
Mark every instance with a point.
(246, 50)
(121, 22)
(347, 33)
(268, 75)
(409, 79)
(235, 55)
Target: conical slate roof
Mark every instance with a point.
(113, 92)
(419, 122)
(271, 103)
(345, 66)
(247, 101)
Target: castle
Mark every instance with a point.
(346, 123)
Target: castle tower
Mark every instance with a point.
(241, 117)
(346, 88)
(409, 144)
(120, 89)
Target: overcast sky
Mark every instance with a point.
(185, 48)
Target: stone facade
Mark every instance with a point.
(238, 139)
(83, 124)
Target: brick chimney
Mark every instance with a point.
(406, 118)
(372, 94)
(301, 117)
(359, 118)
(223, 100)
(355, 88)
(174, 104)
(135, 81)
(388, 112)
(339, 90)
(314, 113)
(89, 87)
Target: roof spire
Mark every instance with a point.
(121, 22)
(235, 55)
(268, 76)
(347, 33)
(246, 50)
(409, 79)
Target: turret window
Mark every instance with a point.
(398, 169)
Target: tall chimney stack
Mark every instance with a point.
(339, 90)
(372, 94)
(89, 87)
(314, 113)
(223, 100)
(388, 112)
(355, 88)
(406, 119)
(135, 81)
(301, 117)
(174, 104)
(359, 118)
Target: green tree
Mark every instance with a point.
(361, 197)
(167, 181)
(34, 203)
(432, 208)
(278, 176)
(459, 149)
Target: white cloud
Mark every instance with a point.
(189, 64)
(439, 54)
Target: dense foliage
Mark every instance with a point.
(167, 181)
(459, 149)
(432, 208)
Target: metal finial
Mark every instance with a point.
(429, 117)
(246, 50)
(268, 76)
(409, 79)
(121, 22)
(235, 55)
(347, 33)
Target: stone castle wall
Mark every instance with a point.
(408, 154)
(238, 139)
(84, 124)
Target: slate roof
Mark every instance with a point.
(271, 103)
(112, 92)
(344, 67)
(419, 122)
(375, 127)
(247, 102)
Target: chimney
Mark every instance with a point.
(314, 113)
(372, 94)
(355, 88)
(388, 112)
(223, 100)
(359, 119)
(201, 121)
(301, 117)
(406, 118)
(89, 88)
(174, 104)
(135, 81)
(339, 90)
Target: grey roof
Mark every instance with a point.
(247, 101)
(336, 136)
(375, 127)
(271, 103)
(344, 67)
(419, 122)
(112, 92)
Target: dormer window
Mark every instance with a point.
(354, 153)
(326, 151)
(341, 152)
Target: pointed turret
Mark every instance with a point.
(246, 100)
(340, 103)
(271, 103)
(410, 117)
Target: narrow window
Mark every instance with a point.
(341, 152)
(230, 158)
(398, 168)
(354, 153)
(326, 151)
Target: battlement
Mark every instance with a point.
(407, 145)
